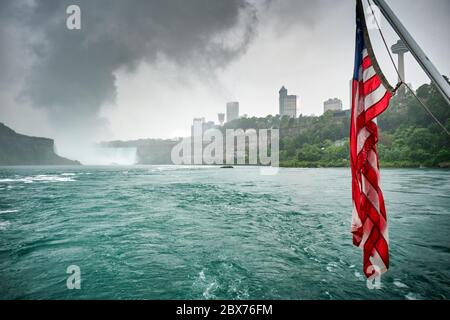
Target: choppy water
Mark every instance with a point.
(205, 233)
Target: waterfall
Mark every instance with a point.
(117, 156)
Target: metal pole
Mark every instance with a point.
(401, 67)
(416, 51)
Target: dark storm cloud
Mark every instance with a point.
(73, 70)
(71, 73)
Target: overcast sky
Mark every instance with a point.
(140, 69)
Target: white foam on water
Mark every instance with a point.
(4, 225)
(412, 296)
(8, 211)
(51, 178)
(68, 174)
(331, 267)
(206, 286)
(208, 293)
(40, 178)
(202, 275)
(399, 284)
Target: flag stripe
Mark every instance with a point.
(366, 63)
(374, 96)
(371, 85)
(368, 73)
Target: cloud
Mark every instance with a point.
(72, 72)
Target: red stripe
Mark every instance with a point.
(366, 63)
(370, 85)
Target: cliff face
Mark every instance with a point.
(19, 149)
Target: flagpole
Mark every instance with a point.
(426, 64)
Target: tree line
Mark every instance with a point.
(409, 137)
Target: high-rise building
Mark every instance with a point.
(232, 111)
(197, 127)
(288, 103)
(332, 104)
(221, 117)
(200, 125)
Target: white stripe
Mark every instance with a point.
(368, 73)
(366, 232)
(365, 53)
(359, 98)
(370, 193)
(375, 96)
(385, 231)
(377, 261)
(373, 160)
(356, 97)
(363, 134)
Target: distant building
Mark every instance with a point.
(208, 125)
(288, 103)
(333, 105)
(200, 123)
(339, 114)
(197, 123)
(232, 111)
(221, 117)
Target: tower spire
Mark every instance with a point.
(416, 51)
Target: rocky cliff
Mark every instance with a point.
(19, 149)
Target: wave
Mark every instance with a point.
(208, 286)
(8, 211)
(412, 296)
(40, 178)
(399, 284)
(4, 225)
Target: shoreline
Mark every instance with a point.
(220, 166)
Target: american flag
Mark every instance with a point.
(371, 94)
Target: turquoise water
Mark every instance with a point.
(209, 233)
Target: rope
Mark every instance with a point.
(399, 76)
